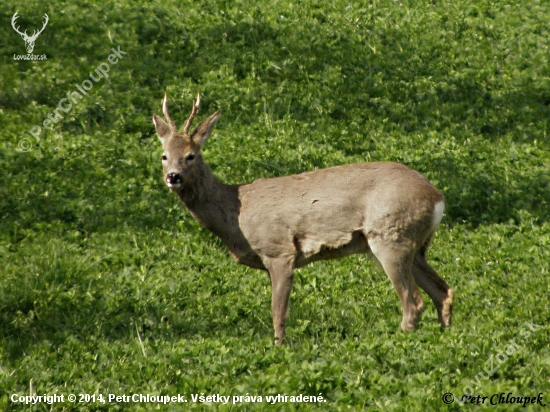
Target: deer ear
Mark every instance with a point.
(163, 128)
(203, 131)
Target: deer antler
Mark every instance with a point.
(166, 114)
(36, 33)
(194, 112)
(13, 21)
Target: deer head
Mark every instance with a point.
(181, 159)
(29, 40)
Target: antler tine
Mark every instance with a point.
(166, 114)
(194, 112)
(14, 21)
(47, 19)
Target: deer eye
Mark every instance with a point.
(164, 157)
(190, 157)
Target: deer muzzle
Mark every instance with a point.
(173, 180)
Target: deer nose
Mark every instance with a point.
(173, 178)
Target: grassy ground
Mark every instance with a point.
(107, 285)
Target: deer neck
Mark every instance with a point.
(214, 204)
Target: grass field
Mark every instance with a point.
(108, 285)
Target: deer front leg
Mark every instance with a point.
(281, 273)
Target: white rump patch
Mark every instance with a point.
(438, 214)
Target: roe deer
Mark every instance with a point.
(278, 224)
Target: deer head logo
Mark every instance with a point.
(29, 40)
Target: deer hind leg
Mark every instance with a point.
(436, 288)
(281, 272)
(397, 261)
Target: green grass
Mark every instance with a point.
(107, 284)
